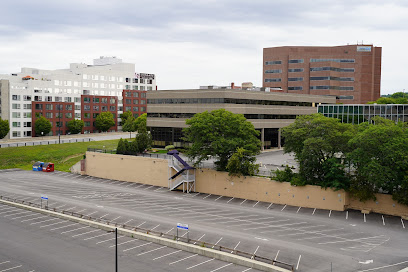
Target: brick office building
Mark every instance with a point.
(93, 105)
(135, 102)
(58, 113)
(352, 73)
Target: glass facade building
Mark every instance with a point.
(357, 114)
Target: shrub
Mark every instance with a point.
(169, 147)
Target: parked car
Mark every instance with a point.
(38, 166)
(48, 167)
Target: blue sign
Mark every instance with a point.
(44, 197)
(182, 226)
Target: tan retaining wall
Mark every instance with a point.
(155, 172)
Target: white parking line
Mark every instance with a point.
(372, 269)
(33, 218)
(169, 230)
(254, 253)
(80, 234)
(298, 210)
(217, 198)
(346, 215)
(221, 267)
(141, 224)
(166, 255)
(255, 204)
(33, 214)
(383, 220)
(150, 251)
(314, 211)
(217, 242)
(137, 246)
(52, 224)
(199, 239)
(206, 196)
(364, 217)
(115, 218)
(350, 240)
(269, 206)
(91, 213)
(230, 200)
(128, 241)
(11, 268)
(247, 269)
(18, 213)
(127, 221)
(109, 240)
(242, 202)
(276, 257)
(53, 219)
(183, 259)
(196, 195)
(103, 216)
(330, 213)
(65, 226)
(74, 229)
(89, 238)
(5, 262)
(402, 222)
(200, 264)
(155, 227)
(297, 266)
(284, 207)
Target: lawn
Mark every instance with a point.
(62, 155)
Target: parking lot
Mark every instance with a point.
(310, 239)
(131, 250)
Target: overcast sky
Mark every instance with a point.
(197, 42)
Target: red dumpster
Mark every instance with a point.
(48, 167)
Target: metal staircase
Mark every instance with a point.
(180, 173)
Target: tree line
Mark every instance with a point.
(363, 159)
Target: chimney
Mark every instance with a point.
(232, 85)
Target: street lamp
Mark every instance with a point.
(59, 124)
(116, 248)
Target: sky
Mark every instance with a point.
(197, 42)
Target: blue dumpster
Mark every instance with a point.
(38, 166)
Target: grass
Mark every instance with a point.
(64, 156)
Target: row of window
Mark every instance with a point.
(139, 80)
(18, 106)
(143, 109)
(135, 94)
(140, 88)
(50, 115)
(18, 124)
(313, 69)
(94, 115)
(226, 101)
(96, 108)
(57, 107)
(18, 114)
(103, 100)
(247, 116)
(18, 133)
(275, 62)
(365, 110)
(327, 87)
(348, 79)
(135, 101)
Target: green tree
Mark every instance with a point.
(143, 140)
(218, 134)
(395, 98)
(129, 125)
(121, 149)
(75, 126)
(242, 162)
(104, 121)
(124, 116)
(42, 126)
(320, 147)
(4, 128)
(379, 156)
(141, 122)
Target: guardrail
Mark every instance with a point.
(159, 234)
(47, 142)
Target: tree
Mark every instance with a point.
(4, 128)
(141, 122)
(242, 163)
(143, 140)
(42, 126)
(320, 147)
(218, 134)
(129, 125)
(104, 121)
(395, 98)
(125, 116)
(75, 126)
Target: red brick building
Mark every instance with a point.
(134, 101)
(56, 112)
(352, 73)
(93, 105)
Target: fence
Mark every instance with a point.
(48, 142)
(244, 254)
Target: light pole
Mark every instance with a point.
(59, 124)
(116, 248)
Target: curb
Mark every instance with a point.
(219, 255)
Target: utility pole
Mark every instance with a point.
(116, 249)
(59, 123)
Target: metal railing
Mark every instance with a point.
(159, 234)
(47, 142)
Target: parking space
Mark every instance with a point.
(264, 227)
(131, 248)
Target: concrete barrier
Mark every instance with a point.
(211, 253)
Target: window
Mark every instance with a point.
(328, 68)
(143, 109)
(334, 60)
(273, 62)
(68, 115)
(142, 101)
(135, 87)
(104, 100)
(16, 124)
(48, 98)
(27, 133)
(333, 78)
(48, 115)
(143, 95)
(135, 115)
(142, 88)
(135, 94)
(95, 100)
(295, 79)
(27, 115)
(87, 99)
(87, 124)
(27, 124)
(68, 99)
(325, 87)
(16, 115)
(295, 88)
(112, 101)
(149, 88)
(58, 115)
(128, 108)
(37, 98)
(16, 134)
(112, 108)
(128, 101)
(273, 80)
(135, 108)
(87, 107)
(77, 107)
(95, 115)
(127, 79)
(48, 106)
(26, 106)
(275, 71)
(38, 106)
(27, 97)
(142, 80)
(135, 101)
(77, 115)
(104, 108)
(128, 94)
(68, 107)
(135, 80)
(150, 81)
(295, 70)
(345, 97)
(96, 108)
(296, 61)
(58, 99)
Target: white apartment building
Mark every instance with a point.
(108, 76)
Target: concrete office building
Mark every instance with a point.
(90, 88)
(168, 110)
(357, 114)
(351, 73)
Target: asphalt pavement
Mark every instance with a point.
(310, 239)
